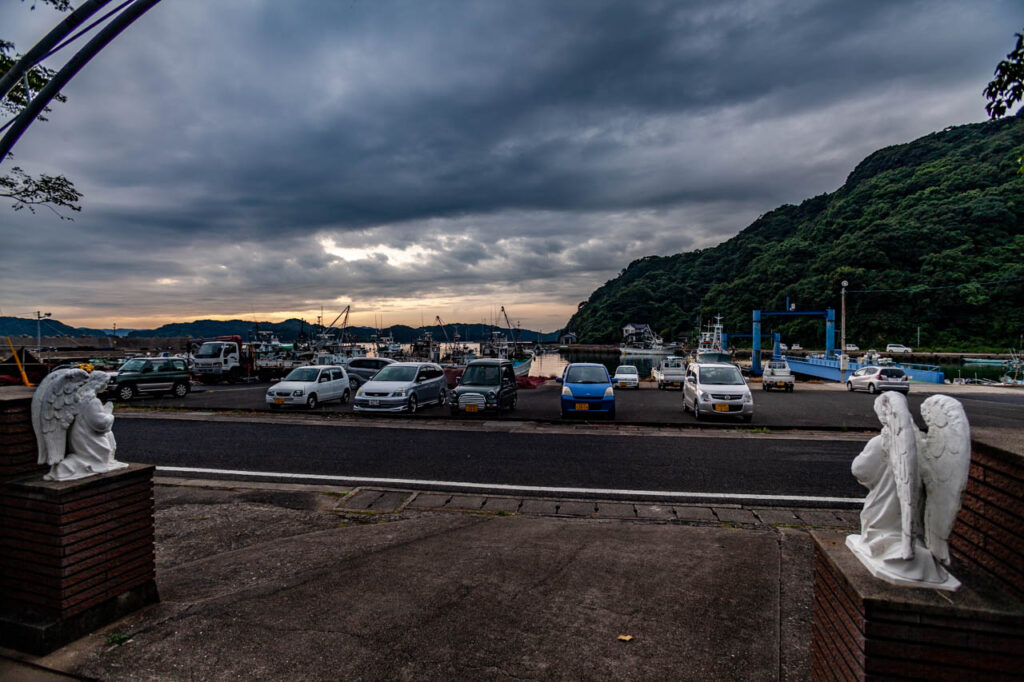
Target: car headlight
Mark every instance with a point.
(400, 393)
(608, 392)
(566, 393)
(298, 391)
(747, 398)
(705, 397)
(490, 395)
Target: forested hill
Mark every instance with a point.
(929, 234)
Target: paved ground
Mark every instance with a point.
(811, 405)
(323, 583)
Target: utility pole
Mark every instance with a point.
(843, 358)
(39, 321)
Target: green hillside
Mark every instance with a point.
(940, 220)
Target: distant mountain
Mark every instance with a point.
(287, 331)
(930, 235)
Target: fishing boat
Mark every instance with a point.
(709, 346)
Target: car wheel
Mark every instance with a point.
(311, 401)
(412, 404)
(345, 396)
(748, 418)
(180, 390)
(515, 401)
(611, 414)
(872, 389)
(353, 384)
(696, 411)
(849, 386)
(564, 414)
(789, 389)
(442, 397)
(126, 392)
(454, 410)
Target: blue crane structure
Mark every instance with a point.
(830, 332)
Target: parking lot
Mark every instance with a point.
(812, 405)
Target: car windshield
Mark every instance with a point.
(209, 350)
(133, 366)
(626, 369)
(489, 375)
(399, 373)
(303, 374)
(586, 375)
(721, 376)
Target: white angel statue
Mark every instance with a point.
(73, 427)
(914, 483)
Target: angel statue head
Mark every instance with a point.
(72, 426)
(914, 480)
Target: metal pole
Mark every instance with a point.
(842, 338)
(39, 317)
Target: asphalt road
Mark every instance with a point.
(817, 406)
(594, 460)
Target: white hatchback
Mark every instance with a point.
(310, 386)
(626, 376)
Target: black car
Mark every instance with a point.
(361, 370)
(487, 384)
(151, 375)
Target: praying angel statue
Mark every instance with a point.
(73, 427)
(914, 483)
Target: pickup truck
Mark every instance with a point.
(670, 372)
(777, 375)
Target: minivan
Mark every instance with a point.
(151, 375)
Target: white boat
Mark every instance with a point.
(522, 366)
(709, 347)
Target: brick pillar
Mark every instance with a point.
(866, 629)
(74, 555)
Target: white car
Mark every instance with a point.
(783, 346)
(310, 386)
(626, 376)
(797, 346)
(851, 347)
(717, 389)
(897, 348)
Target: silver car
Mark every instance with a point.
(717, 389)
(401, 387)
(874, 379)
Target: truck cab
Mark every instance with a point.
(219, 360)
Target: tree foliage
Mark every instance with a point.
(1007, 88)
(25, 191)
(920, 230)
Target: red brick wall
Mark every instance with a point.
(989, 531)
(17, 440)
(71, 545)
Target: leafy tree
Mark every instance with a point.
(1007, 88)
(25, 191)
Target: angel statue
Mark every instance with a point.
(72, 425)
(914, 483)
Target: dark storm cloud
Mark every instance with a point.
(510, 143)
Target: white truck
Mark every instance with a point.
(223, 358)
(777, 375)
(671, 371)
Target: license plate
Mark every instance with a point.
(279, 401)
(374, 403)
(582, 406)
(472, 408)
(780, 383)
(721, 408)
(676, 383)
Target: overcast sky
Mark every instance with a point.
(261, 159)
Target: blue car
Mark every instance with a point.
(587, 388)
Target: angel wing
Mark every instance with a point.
(901, 440)
(944, 457)
(54, 406)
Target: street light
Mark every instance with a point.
(842, 337)
(39, 319)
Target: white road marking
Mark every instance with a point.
(514, 488)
